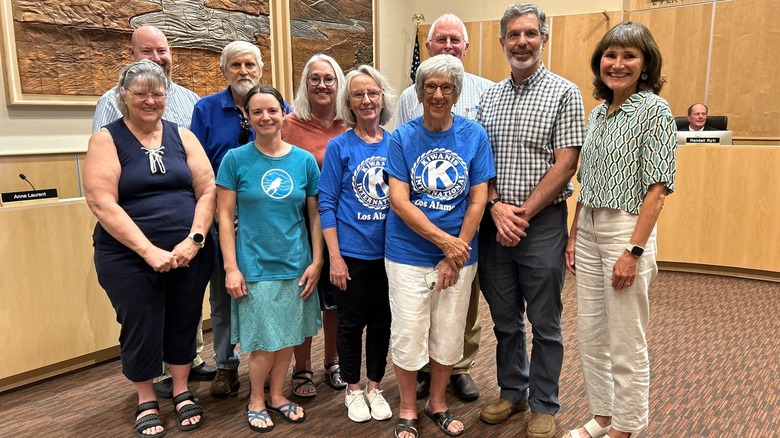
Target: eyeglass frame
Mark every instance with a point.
(359, 96)
(315, 81)
(431, 89)
(246, 133)
(139, 96)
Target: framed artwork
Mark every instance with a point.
(343, 29)
(69, 52)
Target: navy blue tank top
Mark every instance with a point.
(156, 193)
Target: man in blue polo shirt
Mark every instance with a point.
(220, 123)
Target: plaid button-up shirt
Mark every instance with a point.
(526, 123)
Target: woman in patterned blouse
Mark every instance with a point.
(627, 170)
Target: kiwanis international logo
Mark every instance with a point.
(277, 183)
(440, 173)
(368, 184)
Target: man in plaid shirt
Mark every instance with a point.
(534, 120)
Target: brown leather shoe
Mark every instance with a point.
(499, 410)
(541, 426)
(225, 383)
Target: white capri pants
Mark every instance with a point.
(424, 322)
(611, 323)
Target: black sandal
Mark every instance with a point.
(443, 420)
(406, 425)
(334, 379)
(148, 420)
(305, 381)
(188, 411)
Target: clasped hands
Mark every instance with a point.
(180, 256)
(510, 223)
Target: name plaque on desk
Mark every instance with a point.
(702, 140)
(28, 197)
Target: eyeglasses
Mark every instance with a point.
(442, 40)
(446, 89)
(373, 95)
(243, 136)
(316, 80)
(156, 96)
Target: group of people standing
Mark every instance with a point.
(316, 216)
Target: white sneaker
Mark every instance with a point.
(380, 410)
(357, 409)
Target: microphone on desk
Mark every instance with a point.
(24, 178)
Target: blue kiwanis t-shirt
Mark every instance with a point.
(440, 168)
(271, 241)
(354, 195)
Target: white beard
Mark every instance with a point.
(522, 65)
(242, 87)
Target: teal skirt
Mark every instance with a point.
(273, 316)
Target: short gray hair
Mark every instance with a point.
(389, 97)
(517, 9)
(301, 104)
(451, 18)
(239, 48)
(145, 72)
(444, 65)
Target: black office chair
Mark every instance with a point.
(717, 122)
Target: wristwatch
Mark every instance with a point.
(198, 238)
(635, 250)
(491, 203)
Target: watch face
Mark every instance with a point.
(197, 238)
(637, 251)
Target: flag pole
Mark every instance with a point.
(416, 51)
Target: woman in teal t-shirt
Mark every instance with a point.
(270, 272)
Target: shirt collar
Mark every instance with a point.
(629, 106)
(226, 99)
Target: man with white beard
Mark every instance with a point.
(220, 123)
(535, 122)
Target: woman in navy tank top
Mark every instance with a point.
(151, 187)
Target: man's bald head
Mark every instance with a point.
(148, 42)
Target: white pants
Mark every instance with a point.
(611, 323)
(424, 323)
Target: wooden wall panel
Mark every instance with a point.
(53, 309)
(745, 83)
(572, 41)
(43, 171)
(494, 64)
(723, 209)
(471, 58)
(683, 35)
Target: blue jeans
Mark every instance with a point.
(225, 355)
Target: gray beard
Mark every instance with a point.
(522, 65)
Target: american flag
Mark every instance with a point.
(415, 58)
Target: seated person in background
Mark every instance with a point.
(697, 118)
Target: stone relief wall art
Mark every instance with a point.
(342, 29)
(69, 52)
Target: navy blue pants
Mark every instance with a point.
(158, 311)
(527, 279)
